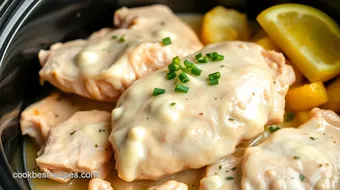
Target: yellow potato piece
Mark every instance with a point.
(267, 43)
(333, 92)
(301, 117)
(309, 37)
(306, 97)
(221, 24)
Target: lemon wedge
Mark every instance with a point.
(309, 37)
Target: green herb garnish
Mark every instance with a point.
(213, 82)
(158, 91)
(196, 71)
(273, 128)
(122, 39)
(166, 41)
(181, 88)
(171, 75)
(213, 76)
(302, 178)
(296, 157)
(173, 67)
(183, 78)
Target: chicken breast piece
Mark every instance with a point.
(302, 158)
(80, 144)
(225, 174)
(37, 119)
(170, 185)
(157, 135)
(99, 184)
(105, 64)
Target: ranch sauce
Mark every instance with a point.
(190, 177)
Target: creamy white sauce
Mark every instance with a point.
(206, 123)
(190, 177)
(225, 174)
(110, 60)
(303, 158)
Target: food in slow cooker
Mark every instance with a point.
(37, 119)
(79, 144)
(110, 60)
(157, 135)
(183, 117)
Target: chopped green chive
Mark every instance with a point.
(212, 54)
(114, 37)
(302, 178)
(289, 116)
(213, 82)
(176, 60)
(273, 128)
(166, 41)
(313, 138)
(214, 76)
(217, 58)
(173, 67)
(198, 56)
(203, 60)
(231, 119)
(296, 157)
(158, 91)
(188, 64)
(234, 168)
(181, 88)
(196, 71)
(171, 75)
(122, 39)
(173, 103)
(72, 132)
(229, 178)
(183, 78)
(220, 167)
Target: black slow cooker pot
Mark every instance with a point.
(26, 26)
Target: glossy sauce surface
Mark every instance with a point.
(190, 177)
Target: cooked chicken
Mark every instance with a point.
(99, 184)
(170, 185)
(302, 158)
(37, 119)
(225, 174)
(78, 145)
(105, 64)
(157, 135)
